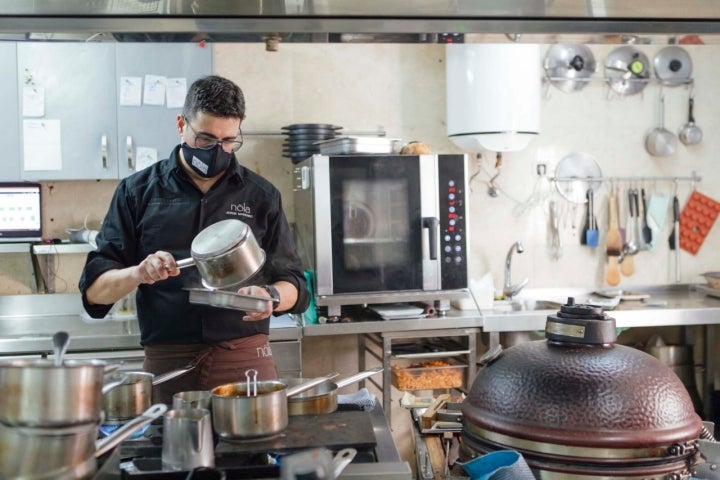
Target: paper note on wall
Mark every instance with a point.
(130, 91)
(146, 156)
(42, 146)
(33, 102)
(154, 92)
(176, 90)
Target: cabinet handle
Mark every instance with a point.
(129, 153)
(103, 150)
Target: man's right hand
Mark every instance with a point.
(157, 266)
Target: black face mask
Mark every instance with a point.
(207, 163)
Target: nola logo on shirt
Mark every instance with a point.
(240, 210)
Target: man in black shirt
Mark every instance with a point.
(152, 220)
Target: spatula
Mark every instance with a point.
(613, 244)
(646, 230)
(591, 233)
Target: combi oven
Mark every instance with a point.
(383, 228)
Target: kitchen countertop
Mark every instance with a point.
(27, 322)
(667, 305)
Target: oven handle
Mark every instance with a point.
(431, 223)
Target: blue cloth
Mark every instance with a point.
(500, 465)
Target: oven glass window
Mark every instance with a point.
(376, 224)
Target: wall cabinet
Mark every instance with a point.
(80, 85)
(9, 133)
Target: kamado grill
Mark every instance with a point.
(577, 406)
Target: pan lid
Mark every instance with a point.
(673, 65)
(627, 70)
(569, 66)
(219, 237)
(575, 174)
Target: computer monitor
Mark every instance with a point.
(20, 212)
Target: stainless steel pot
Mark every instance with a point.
(258, 409)
(226, 253)
(134, 395)
(61, 453)
(322, 398)
(36, 393)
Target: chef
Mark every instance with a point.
(152, 220)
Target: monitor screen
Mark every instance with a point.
(20, 218)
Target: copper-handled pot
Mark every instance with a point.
(255, 408)
(323, 398)
(225, 253)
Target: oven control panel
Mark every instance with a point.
(453, 221)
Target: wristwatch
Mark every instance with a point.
(274, 294)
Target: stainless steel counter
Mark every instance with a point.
(28, 322)
(666, 306)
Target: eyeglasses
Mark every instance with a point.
(207, 142)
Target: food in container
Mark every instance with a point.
(427, 376)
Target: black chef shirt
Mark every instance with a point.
(159, 208)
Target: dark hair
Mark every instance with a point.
(216, 96)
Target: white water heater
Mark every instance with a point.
(493, 95)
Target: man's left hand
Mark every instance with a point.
(257, 291)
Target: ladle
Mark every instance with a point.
(60, 340)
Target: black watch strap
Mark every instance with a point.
(274, 294)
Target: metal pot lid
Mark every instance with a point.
(627, 70)
(569, 66)
(219, 237)
(575, 174)
(673, 65)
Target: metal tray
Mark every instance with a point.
(230, 300)
(348, 145)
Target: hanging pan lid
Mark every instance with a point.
(673, 65)
(627, 70)
(569, 66)
(575, 174)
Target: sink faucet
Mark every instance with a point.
(510, 290)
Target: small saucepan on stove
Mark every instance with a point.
(134, 395)
(225, 253)
(253, 408)
(323, 398)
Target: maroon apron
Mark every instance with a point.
(216, 364)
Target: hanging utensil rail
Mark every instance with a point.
(692, 178)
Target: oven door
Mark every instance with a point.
(379, 230)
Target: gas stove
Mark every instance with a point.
(367, 432)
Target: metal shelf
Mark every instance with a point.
(62, 248)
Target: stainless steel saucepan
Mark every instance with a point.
(322, 398)
(254, 408)
(225, 253)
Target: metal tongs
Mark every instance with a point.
(251, 378)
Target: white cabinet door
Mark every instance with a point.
(75, 136)
(9, 134)
(152, 128)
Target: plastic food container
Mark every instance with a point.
(428, 376)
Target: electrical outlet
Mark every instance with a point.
(540, 169)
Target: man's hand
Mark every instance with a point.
(256, 291)
(157, 266)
